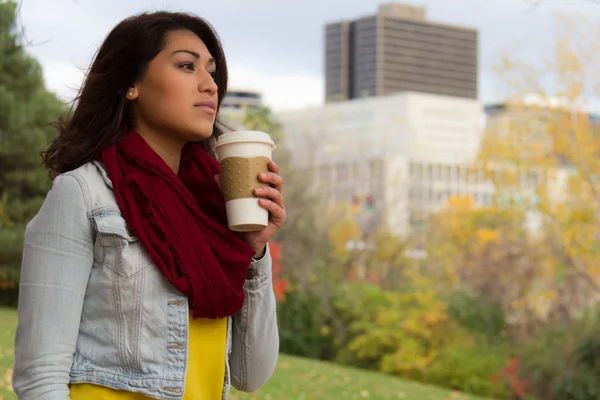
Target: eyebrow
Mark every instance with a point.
(194, 54)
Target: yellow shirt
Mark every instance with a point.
(205, 373)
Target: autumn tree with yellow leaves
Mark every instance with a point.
(487, 251)
(542, 152)
(366, 252)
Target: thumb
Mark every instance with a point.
(218, 181)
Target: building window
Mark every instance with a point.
(376, 168)
(429, 173)
(341, 172)
(366, 172)
(417, 171)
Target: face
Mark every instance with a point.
(176, 99)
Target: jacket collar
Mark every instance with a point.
(103, 172)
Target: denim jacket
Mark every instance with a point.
(94, 309)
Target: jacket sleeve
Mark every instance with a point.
(255, 334)
(57, 261)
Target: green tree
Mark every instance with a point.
(26, 108)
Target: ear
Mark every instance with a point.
(132, 93)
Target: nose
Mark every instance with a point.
(207, 84)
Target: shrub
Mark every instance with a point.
(395, 332)
(357, 305)
(468, 367)
(563, 363)
(544, 359)
(304, 325)
(582, 380)
(477, 314)
(579, 384)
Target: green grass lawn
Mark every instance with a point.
(298, 378)
(8, 325)
(295, 378)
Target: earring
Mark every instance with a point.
(130, 94)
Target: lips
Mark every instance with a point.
(208, 106)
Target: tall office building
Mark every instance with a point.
(399, 50)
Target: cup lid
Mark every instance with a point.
(244, 136)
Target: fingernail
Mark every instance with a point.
(263, 175)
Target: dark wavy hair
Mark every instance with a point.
(101, 110)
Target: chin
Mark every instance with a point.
(201, 133)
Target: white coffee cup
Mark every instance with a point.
(242, 155)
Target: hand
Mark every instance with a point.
(271, 199)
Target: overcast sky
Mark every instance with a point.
(276, 46)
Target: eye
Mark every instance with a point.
(187, 65)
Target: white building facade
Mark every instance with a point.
(404, 153)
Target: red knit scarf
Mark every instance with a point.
(181, 222)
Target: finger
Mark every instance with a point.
(271, 194)
(274, 167)
(278, 213)
(218, 181)
(272, 178)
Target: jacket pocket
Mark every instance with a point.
(116, 248)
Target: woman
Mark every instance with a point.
(131, 286)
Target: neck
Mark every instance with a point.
(169, 150)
